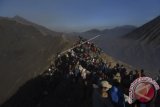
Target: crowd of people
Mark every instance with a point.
(107, 85)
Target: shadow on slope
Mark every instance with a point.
(49, 91)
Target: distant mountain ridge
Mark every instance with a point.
(42, 29)
(114, 32)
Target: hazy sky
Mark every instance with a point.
(80, 15)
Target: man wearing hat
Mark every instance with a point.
(101, 97)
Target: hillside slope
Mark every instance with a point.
(148, 33)
(24, 53)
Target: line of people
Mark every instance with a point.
(108, 86)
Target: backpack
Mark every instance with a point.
(117, 96)
(114, 94)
